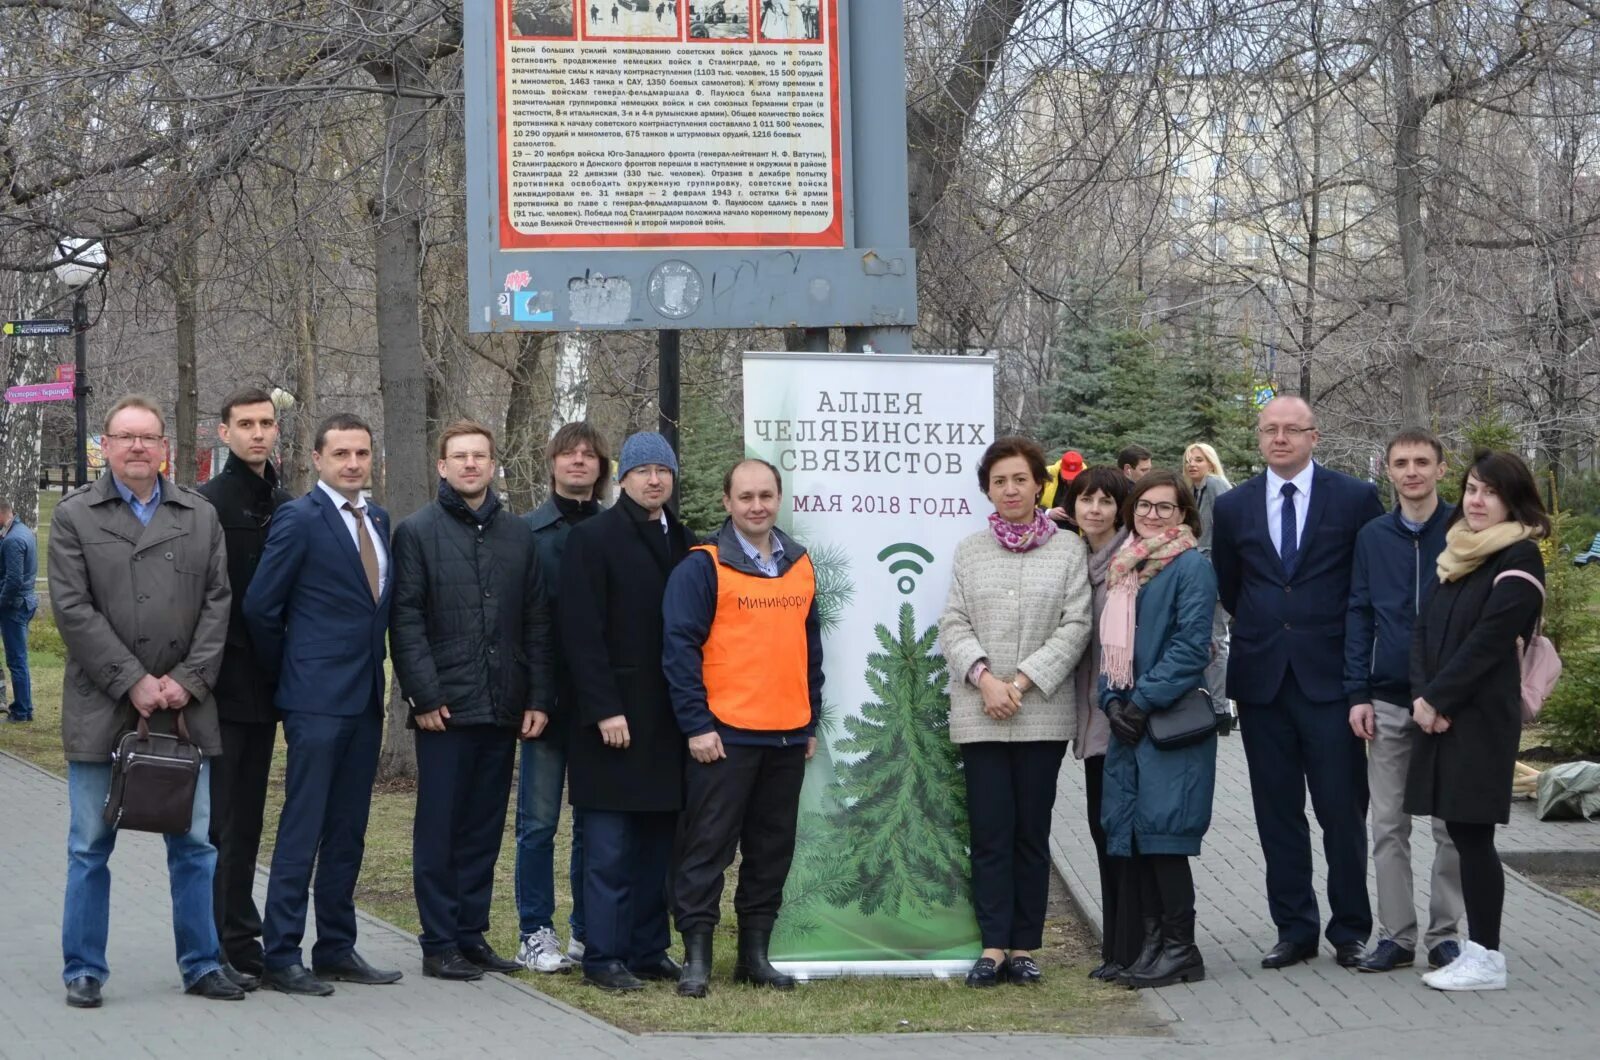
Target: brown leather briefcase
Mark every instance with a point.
(153, 777)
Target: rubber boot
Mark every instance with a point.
(1147, 954)
(752, 965)
(696, 977)
(1179, 960)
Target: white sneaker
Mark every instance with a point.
(575, 950)
(541, 952)
(1476, 969)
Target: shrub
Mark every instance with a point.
(1571, 716)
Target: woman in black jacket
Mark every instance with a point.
(1467, 675)
(626, 755)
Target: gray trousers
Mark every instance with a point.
(1388, 756)
(1217, 668)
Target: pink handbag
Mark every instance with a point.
(1541, 666)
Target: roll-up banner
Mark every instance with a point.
(879, 456)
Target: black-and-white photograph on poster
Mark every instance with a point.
(790, 20)
(719, 19)
(542, 18)
(631, 19)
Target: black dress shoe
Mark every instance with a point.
(1023, 970)
(1286, 953)
(84, 992)
(295, 980)
(1107, 972)
(986, 972)
(243, 980)
(452, 965)
(490, 961)
(214, 986)
(354, 969)
(664, 970)
(611, 976)
(1386, 956)
(1349, 954)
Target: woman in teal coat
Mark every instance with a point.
(1155, 635)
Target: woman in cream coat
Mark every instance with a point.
(1016, 623)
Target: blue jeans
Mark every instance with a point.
(86, 918)
(544, 768)
(14, 634)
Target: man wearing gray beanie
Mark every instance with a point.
(626, 757)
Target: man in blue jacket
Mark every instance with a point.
(1390, 583)
(1282, 545)
(19, 570)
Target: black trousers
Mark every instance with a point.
(1166, 886)
(1011, 789)
(1483, 881)
(463, 790)
(238, 802)
(749, 801)
(1121, 933)
(1291, 744)
(626, 858)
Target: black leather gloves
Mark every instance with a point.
(1127, 721)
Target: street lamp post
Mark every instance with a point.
(86, 261)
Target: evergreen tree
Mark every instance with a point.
(905, 825)
(1221, 406)
(710, 440)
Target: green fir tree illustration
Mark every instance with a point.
(906, 823)
(835, 590)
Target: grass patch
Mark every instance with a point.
(1066, 1003)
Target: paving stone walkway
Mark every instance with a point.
(1552, 945)
(1553, 949)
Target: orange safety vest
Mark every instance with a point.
(756, 661)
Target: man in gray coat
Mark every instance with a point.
(139, 586)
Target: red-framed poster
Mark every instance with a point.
(635, 124)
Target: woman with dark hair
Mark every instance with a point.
(1013, 630)
(1094, 502)
(1466, 674)
(1155, 641)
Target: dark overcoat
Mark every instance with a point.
(245, 502)
(1464, 662)
(613, 576)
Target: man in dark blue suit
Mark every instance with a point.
(318, 610)
(1282, 546)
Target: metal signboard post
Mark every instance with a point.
(689, 165)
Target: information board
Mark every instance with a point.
(638, 164)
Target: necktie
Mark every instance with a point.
(1289, 536)
(369, 551)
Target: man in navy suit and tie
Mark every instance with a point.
(318, 610)
(1283, 546)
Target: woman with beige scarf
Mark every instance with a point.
(1466, 673)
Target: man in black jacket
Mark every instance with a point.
(1390, 582)
(626, 754)
(470, 633)
(245, 495)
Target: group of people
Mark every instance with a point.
(674, 688)
(605, 641)
(1374, 657)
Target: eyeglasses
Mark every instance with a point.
(1291, 433)
(149, 441)
(1161, 508)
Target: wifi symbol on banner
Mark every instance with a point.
(906, 566)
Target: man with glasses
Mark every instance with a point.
(1283, 545)
(139, 587)
(245, 494)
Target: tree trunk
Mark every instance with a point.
(402, 369)
(522, 447)
(306, 413)
(186, 413)
(21, 361)
(1408, 162)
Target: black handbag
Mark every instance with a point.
(153, 778)
(1188, 721)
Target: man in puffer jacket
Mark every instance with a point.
(1390, 582)
(472, 648)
